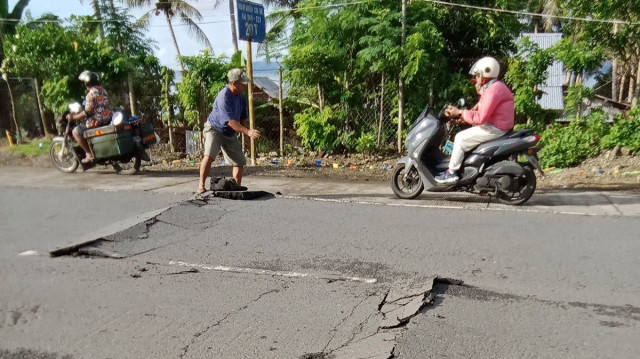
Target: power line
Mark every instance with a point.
(533, 14)
(437, 2)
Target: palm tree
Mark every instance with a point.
(187, 13)
(95, 4)
(549, 10)
(232, 18)
(281, 20)
(12, 18)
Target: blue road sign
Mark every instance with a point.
(251, 22)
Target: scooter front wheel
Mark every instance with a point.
(63, 157)
(406, 187)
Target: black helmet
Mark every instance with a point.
(89, 78)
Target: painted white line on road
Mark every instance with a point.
(258, 271)
(410, 205)
(33, 253)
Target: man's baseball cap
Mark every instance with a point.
(238, 75)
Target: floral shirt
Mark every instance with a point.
(97, 107)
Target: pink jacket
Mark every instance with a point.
(495, 107)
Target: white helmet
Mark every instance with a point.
(487, 66)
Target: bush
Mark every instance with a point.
(367, 143)
(564, 146)
(625, 133)
(317, 130)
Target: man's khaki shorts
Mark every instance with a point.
(231, 147)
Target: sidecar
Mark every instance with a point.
(111, 141)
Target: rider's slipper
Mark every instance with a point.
(87, 160)
(201, 190)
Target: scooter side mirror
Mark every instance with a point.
(461, 102)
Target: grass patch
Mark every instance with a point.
(29, 149)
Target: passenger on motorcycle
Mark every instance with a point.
(491, 117)
(97, 111)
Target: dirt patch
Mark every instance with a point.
(609, 171)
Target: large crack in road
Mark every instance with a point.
(377, 336)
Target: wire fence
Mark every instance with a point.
(367, 127)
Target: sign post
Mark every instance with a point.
(251, 27)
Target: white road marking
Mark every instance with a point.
(437, 206)
(259, 271)
(33, 253)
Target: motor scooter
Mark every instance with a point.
(503, 167)
(121, 144)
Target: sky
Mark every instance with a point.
(216, 25)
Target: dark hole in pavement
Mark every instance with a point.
(316, 356)
(23, 353)
(243, 195)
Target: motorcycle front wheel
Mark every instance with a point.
(409, 187)
(523, 190)
(63, 157)
(130, 167)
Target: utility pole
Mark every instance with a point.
(281, 114)
(401, 79)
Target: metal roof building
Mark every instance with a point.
(552, 98)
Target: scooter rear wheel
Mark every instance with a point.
(526, 184)
(409, 187)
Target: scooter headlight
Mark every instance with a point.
(117, 119)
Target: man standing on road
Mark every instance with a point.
(226, 120)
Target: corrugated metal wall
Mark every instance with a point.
(553, 98)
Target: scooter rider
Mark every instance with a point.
(491, 117)
(97, 111)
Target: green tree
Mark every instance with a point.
(76, 49)
(8, 22)
(341, 52)
(528, 70)
(27, 54)
(205, 76)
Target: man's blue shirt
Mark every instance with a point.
(226, 107)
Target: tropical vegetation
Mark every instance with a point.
(357, 73)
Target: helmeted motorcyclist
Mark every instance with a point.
(97, 111)
(491, 117)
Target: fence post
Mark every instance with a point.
(13, 108)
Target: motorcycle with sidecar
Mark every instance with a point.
(121, 144)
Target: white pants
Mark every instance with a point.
(470, 138)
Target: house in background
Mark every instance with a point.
(266, 77)
(553, 90)
(265, 89)
(266, 69)
(610, 107)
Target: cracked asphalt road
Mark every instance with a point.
(287, 278)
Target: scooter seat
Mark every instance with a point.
(517, 133)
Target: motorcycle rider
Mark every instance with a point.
(97, 111)
(491, 117)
